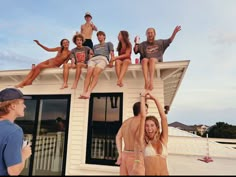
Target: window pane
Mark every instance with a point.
(27, 124)
(99, 108)
(113, 111)
(98, 142)
(106, 121)
(49, 148)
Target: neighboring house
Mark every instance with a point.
(184, 127)
(87, 145)
(201, 129)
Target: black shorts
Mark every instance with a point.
(88, 43)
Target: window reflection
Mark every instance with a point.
(104, 122)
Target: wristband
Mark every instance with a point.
(137, 161)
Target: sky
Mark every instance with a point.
(208, 92)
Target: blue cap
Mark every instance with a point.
(12, 94)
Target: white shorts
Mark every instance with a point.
(98, 61)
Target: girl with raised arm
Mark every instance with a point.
(61, 57)
(154, 141)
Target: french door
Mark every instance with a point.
(45, 125)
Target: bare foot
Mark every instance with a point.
(151, 86)
(27, 83)
(83, 96)
(64, 86)
(119, 83)
(74, 86)
(87, 95)
(146, 87)
(19, 86)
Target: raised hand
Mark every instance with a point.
(177, 29)
(144, 93)
(36, 41)
(150, 96)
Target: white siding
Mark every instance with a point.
(76, 148)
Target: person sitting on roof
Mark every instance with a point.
(102, 54)
(151, 52)
(123, 60)
(79, 58)
(62, 56)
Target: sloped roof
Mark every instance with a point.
(185, 143)
(172, 131)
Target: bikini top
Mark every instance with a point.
(150, 151)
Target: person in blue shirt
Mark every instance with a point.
(13, 152)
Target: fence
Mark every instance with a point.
(104, 148)
(48, 151)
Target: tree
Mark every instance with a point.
(221, 130)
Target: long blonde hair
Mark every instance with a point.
(157, 135)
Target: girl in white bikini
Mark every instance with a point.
(152, 140)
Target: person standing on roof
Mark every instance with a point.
(87, 30)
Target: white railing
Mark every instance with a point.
(49, 150)
(104, 148)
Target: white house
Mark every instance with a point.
(86, 143)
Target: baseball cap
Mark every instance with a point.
(87, 14)
(12, 94)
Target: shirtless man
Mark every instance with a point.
(62, 56)
(87, 30)
(129, 131)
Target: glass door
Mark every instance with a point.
(48, 117)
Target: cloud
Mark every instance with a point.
(202, 115)
(223, 38)
(12, 60)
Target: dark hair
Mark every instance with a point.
(101, 33)
(62, 48)
(137, 108)
(78, 36)
(59, 119)
(125, 36)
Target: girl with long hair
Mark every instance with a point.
(62, 56)
(153, 139)
(123, 60)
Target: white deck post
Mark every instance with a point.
(57, 163)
